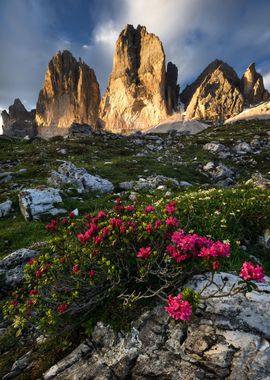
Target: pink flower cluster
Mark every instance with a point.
(252, 272)
(52, 226)
(186, 246)
(178, 308)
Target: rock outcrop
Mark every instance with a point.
(36, 202)
(18, 122)
(70, 94)
(229, 339)
(252, 86)
(69, 174)
(135, 97)
(215, 95)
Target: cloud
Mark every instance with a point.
(193, 32)
(266, 80)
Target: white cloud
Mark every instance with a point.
(266, 80)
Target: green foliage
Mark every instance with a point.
(110, 263)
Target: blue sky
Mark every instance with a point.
(193, 32)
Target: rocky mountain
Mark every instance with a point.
(218, 93)
(140, 94)
(252, 86)
(215, 95)
(70, 94)
(18, 122)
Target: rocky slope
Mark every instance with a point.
(70, 94)
(135, 98)
(252, 86)
(259, 112)
(18, 122)
(215, 95)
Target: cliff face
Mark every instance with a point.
(252, 86)
(135, 97)
(70, 94)
(18, 122)
(172, 88)
(215, 95)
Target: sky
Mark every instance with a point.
(193, 33)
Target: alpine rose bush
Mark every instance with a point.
(129, 254)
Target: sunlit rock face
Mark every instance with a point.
(215, 95)
(135, 97)
(70, 94)
(18, 122)
(252, 86)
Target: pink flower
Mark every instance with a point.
(116, 222)
(176, 254)
(14, 303)
(75, 268)
(31, 262)
(178, 308)
(170, 207)
(92, 273)
(149, 209)
(149, 229)
(215, 265)
(101, 214)
(172, 221)
(130, 208)
(157, 224)
(52, 226)
(62, 308)
(144, 253)
(33, 292)
(98, 240)
(252, 272)
(123, 230)
(39, 273)
(62, 260)
(105, 232)
(71, 215)
(217, 249)
(117, 201)
(64, 221)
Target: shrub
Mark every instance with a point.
(134, 252)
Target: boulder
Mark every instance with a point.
(214, 147)
(18, 122)
(242, 148)
(258, 180)
(70, 94)
(153, 182)
(69, 174)
(36, 202)
(135, 96)
(11, 267)
(252, 86)
(227, 334)
(5, 208)
(80, 130)
(215, 95)
(220, 173)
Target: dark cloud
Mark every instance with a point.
(193, 32)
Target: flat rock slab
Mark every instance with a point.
(35, 202)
